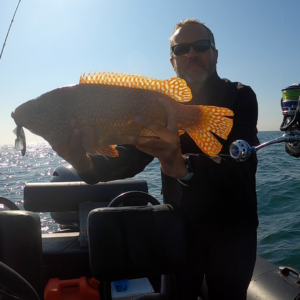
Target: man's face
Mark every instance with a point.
(195, 67)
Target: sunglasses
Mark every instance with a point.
(199, 46)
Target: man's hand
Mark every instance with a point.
(166, 147)
(72, 151)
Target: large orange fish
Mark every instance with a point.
(104, 106)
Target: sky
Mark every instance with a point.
(52, 42)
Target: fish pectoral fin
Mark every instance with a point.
(91, 147)
(147, 132)
(106, 150)
(211, 119)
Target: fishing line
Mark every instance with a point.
(9, 30)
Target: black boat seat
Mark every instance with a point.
(66, 196)
(21, 244)
(135, 242)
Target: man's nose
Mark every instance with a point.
(192, 52)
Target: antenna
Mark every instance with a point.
(9, 29)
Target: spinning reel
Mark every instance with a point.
(290, 105)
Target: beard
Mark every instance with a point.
(192, 79)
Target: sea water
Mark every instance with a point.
(278, 189)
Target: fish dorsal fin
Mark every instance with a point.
(175, 88)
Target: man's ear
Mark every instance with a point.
(216, 53)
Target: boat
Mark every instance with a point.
(90, 246)
(31, 259)
(111, 237)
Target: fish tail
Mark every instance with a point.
(175, 88)
(211, 119)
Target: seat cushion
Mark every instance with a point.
(21, 244)
(134, 242)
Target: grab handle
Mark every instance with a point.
(285, 271)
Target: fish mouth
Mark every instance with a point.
(19, 127)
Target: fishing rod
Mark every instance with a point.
(240, 150)
(9, 30)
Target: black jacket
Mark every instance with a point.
(219, 202)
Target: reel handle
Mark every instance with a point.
(240, 150)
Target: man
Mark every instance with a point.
(218, 200)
